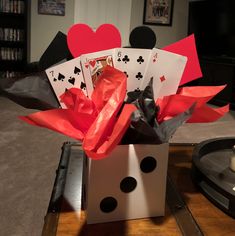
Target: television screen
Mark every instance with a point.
(213, 23)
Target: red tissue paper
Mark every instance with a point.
(101, 121)
(96, 121)
(171, 106)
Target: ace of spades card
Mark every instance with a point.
(93, 65)
(133, 62)
(166, 69)
(65, 76)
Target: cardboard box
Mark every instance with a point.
(129, 184)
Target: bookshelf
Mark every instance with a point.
(14, 40)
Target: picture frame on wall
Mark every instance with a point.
(158, 12)
(51, 7)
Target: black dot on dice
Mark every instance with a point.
(128, 184)
(148, 164)
(108, 204)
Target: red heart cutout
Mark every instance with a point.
(92, 63)
(81, 39)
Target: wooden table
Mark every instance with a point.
(70, 220)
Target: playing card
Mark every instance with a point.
(133, 62)
(166, 68)
(93, 65)
(65, 76)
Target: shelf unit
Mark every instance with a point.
(14, 37)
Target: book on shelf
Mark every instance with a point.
(11, 34)
(12, 6)
(11, 54)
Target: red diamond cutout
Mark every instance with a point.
(162, 78)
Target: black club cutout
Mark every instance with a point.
(139, 76)
(128, 184)
(148, 164)
(125, 59)
(108, 204)
(140, 60)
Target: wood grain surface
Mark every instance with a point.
(212, 221)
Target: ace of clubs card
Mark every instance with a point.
(166, 69)
(65, 76)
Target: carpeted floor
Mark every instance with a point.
(29, 158)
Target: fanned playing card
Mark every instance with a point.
(166, 68)
(93, 65)
(65, 76)
(133, 62)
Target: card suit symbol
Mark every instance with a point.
(162, 78)
(126, 74)
(82, 85)
(140, 60)
(61, 77)
(92, 63)
(125, 59)
(139, 76)
(155, 58)
(71, 80)
(54, 79)
(137, 90)
(119, 59)
(81, 39)
(86, 65)
(77, 70)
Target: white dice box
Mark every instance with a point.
(129, 184)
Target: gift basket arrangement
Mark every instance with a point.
(123, 104)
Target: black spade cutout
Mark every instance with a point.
(128, 184)
(108, 204)
(148, 164)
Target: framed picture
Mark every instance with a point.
(158, 12)
(51, 7)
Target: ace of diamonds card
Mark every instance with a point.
(166, 69)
